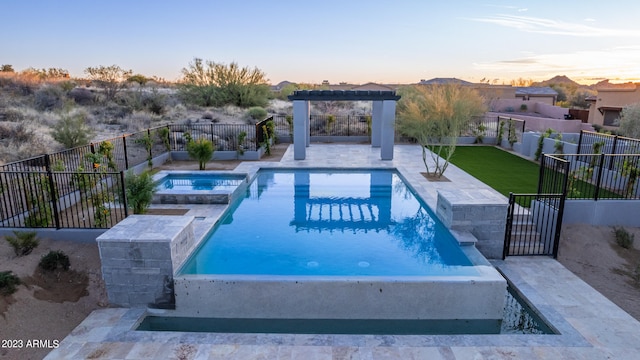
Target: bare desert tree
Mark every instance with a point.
(111, 79)
(434, 115)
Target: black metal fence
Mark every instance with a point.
(327, 125)
(510, 129)
(533, 226)
(597, 143)
(481, 126)
(46, 199)
(360, 125)
(597, 176)
(83, 187)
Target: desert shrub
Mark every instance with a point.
(23, 242)
(18, 133)
(623, 237)
(176, 112)
(24, 141)
(8, 282)
(139, 120)
(257, 113)
(111, 112)
(630, 120)
(11, 114)
(207, 83)
(207, 116)
(49, 97)
(139, 189)
(82, 96)
(54, 260)
(67, 86)
(154, 102)
(72, 130)
(233, 111)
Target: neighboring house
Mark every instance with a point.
(542, 94)
(606, 106)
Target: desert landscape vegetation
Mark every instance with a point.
(43, 111)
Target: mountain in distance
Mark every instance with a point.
(561, 80)
(566, 82)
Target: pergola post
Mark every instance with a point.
(376, 123)
(387, 129)
(382, 119)
(300, 129)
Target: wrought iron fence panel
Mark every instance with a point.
(61, 199)
(533, 226)
(596, 176)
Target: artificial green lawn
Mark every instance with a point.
(499, 169)
(507, 173)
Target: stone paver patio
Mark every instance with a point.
(590, 326)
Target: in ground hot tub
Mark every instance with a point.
(201, 187)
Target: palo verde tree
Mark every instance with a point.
(630, 121)
(111, 79)
(434, 115)
(207, 83)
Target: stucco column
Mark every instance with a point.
(300, 128)
(387, 129)
(376, 123)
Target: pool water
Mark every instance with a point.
(329, 222)
(192, 181)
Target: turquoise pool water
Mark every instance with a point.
(329, 223)
(194, 181)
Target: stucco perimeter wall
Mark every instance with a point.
(139, 256)
(602, 212)
(535, 123)
(480, 212)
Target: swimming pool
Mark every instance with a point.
(202, 187)
(331, 244)
(314, 222)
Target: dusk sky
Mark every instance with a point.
(348, 40)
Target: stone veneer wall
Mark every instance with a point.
(139, 256)
(479, 212)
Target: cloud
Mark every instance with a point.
(553, 27)
(619, 62)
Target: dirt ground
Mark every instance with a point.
(592, 253)
(49, 307)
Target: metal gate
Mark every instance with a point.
(534, 222)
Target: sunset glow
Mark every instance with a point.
(338, 41)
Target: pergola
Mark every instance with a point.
(382, 118)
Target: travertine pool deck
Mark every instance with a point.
(590, 326)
